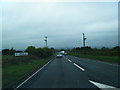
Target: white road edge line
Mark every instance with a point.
(79, 67)
(31, 76)
(103, 86)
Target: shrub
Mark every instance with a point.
(40, 52)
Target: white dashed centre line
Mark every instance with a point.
(76, 64)
(69, 60)
(79, 67)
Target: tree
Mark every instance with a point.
(8, 52)
(116, 48)
(12, 51)
(104, 48)
(5, 51)
(31, 50)
(40, 52)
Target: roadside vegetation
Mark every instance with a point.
(15, 69)
(103, 54)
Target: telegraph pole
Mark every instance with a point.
(46, 40)
(84, 40)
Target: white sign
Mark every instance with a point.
(21, 54)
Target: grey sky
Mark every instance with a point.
(25, 24)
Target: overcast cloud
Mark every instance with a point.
(25, 24)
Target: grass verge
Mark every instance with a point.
(14, 72)
(111, 59)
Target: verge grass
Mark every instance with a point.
(14, 72)
(111, 59)
(7, 57)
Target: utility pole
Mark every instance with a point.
(46, 40)
(84, 40)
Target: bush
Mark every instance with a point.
(31, 50)
(40, 52)
(8, 52)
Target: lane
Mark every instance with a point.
(98, 71)
(59, 73)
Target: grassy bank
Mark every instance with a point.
(13, 72)
(111, 59)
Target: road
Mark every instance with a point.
(74, 72)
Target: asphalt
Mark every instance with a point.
(101, 72)
(73, 72)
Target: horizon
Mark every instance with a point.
(58, 48)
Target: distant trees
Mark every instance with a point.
(89, 48)
(31, 50)
(82, 48)
(63, 50)
(8, 51)
(116, 48)
(105, 48)
(104, 51)
(40, 52)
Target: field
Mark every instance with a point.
(111, 56)
(13, 71)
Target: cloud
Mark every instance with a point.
(27, 23)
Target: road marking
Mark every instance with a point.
(75, 64)
(103, 86)
(64, 57)
(30, 77)
(79, 67)
(69, 60)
